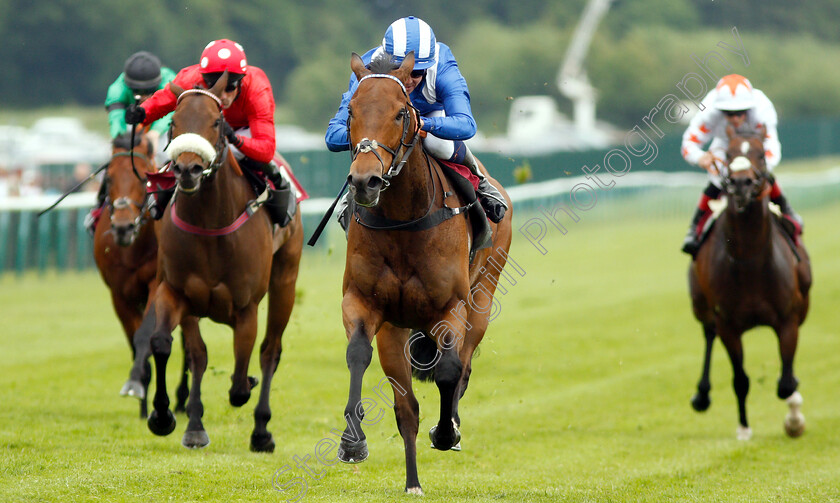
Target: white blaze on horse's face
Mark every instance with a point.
(745, 147)
(740, 163)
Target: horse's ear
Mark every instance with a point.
(730, 131)
(176, 89)
(220, 84)
(358, 66)
(405, 68)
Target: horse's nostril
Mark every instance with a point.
(176, 169)
(374, 183)
(196, 170)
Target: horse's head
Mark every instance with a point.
(197, 148)
(744, 178)
(381, 120)
(126, 185)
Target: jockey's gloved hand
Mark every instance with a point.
(227, 130)
(134, 114)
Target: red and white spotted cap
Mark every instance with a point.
(221, 55)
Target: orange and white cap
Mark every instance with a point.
(734, 92)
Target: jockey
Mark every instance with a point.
(734, 102)
(247, 106)
(141, 76)
(439, 91)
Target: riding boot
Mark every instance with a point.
(791, 220)
(91, 217)
(691, 243)
(492, 201)
(343, 211)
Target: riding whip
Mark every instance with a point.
(74, 189)
(320, 228)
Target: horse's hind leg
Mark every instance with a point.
(166, 315)
(281, 300)
(195, 436)
(449, 336)
(795, 420)
(700, 401)
(740, 382)
(390, 342)
(140, 374)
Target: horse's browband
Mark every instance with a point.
(201, 91)
(385, 76)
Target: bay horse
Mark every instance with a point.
(397, 280)
(125, 251)
(218, 256)
(749, 273)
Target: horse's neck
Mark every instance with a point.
(410, 194)
(219, 200)
(748, 234)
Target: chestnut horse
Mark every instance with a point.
(750, 273)
(398, 280)
(125, 251)
(218, 256)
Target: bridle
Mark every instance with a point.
(125, 202)
(219, 151)
(367, 145)
(759, 187)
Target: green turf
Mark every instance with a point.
(580, 393)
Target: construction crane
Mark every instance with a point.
(572, 80)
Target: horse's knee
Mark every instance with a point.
(448, 369)
(741, 383)
(359, 351)
(161, 343)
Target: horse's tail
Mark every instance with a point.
(423, 353)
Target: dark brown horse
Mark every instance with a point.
(749, 273)
(125, 250)
(396, 280)
(219, 254)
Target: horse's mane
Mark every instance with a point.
(383, 63)
(123, 141)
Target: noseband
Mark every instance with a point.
(742, 163)
(367, 145)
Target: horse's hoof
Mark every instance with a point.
(795, 425)
(161, 426)
(743, 433)
(417, 491)
(353, 452)
(700, 402)
(444, 444)
(133, 388)
(262, 443)
(195, 439)
(239, 399)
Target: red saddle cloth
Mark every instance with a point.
(463, 171)
(165, 180)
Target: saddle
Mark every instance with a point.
(788, 229)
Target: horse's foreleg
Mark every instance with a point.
(244, 336)
(281, 300)
(140, 374)
(788, 383)
(182, 392)
(195, 436)
(391, 342)
(700, 401)
(168, 310)
(740, 382)
(131, 318)
(360, 328)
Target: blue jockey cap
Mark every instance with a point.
(411, 34)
